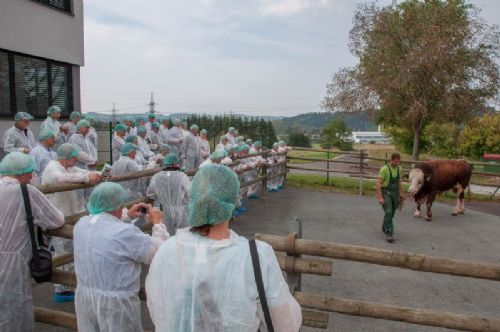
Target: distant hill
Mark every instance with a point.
(107, 117)
(312, 123)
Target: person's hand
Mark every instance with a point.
(155, 216)
(95, 177)
(26, 150)
(134, 211)
(381, 200)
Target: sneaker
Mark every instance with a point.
(253, 197)
(242, 209)
(389, 238)
(64, 297)
(280, 186)
(236, 213)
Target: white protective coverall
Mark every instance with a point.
(92, 135)
(15, 139)
(204, 149)
(42, 156)
(16, 311)
(164, 132)
(87, 153)
(253, 174)
(117, 144)
(175, 140)
(154, 138)
(69, 202)
(171, 189)
(126, 165)
(109, 254)
(216, 290)
(144, 148)
(191, 152)
(51, 124)
(230, 139)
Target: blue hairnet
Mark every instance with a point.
(128, 118)
(141, 130)
(66, 151)
(170, 159)
(155, 125)
(275, 145)
(22, 116)
(151, 115)
(204, 132)
(17, 163)
(245, 147)
(281, 143)
(108, 196)
(83, 124)
(130, 139)
(249, 141)
(53, 109)
(218, 154)
(257, 144)
(164, 147)
(193, 127)
(74, 115)
(229, 148)
(223, 138)
(127, 148)
(177, 121)
(230, 129)
(214, 193)
(121, 127)
(45, 134)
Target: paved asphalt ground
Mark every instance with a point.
(357, 220)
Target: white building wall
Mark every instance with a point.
(29, 27)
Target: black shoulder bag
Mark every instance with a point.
(41, 262)
(260, 285)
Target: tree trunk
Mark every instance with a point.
(416, 143)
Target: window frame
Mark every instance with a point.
(49, 64)
(69, 11)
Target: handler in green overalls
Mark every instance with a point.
(389, 192)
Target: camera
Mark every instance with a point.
(143, 210)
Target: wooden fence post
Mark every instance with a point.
(264, 180)
(293, 278)
(328, 167)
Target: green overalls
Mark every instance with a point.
(391, 202)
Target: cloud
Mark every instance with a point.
(284, 8)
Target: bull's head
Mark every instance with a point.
(417, 179)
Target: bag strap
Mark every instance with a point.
(260, 285)
(29, 219)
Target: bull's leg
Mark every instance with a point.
(428, 203)
(417, 211)
(460, 194)
(462, 205)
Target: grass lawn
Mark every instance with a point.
(309, 154)
(351, 186)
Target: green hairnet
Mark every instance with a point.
(281, 143)
(223, 138)
(74, 115)
(151, 115)
(141, 130)
(128, 118)
(121, 127)
(155, 125)
(204, 132)
(231, 129)
(53, 109)
(257, 144)
(229, 148)
(164, 120)
(66, 151)
(83, 124)
(45, 134)
(170, 159)
(238, 148)
(22, 116)
(236, 132)
(89, 117)
(127, 148)
(164, 147)
(177, 122)
(108, 196)
(17, 163)
(249, 141)
(275, 145)
(218, 154)
(184, 123)
(245, 147)
(139, 120)
(194, 127)
(130, 139)
(213, 195)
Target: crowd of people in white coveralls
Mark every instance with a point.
(201, 276)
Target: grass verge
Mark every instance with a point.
(351, 186)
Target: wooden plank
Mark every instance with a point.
(315, 319)
(56, 318)
(310, 266)
(397, 313)
(62, 260)
(401, 259)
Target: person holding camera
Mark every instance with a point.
(16, 309)
(109, 253)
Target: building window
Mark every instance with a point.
(32, 84)
(63, 5)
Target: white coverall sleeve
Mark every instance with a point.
(45, 214)
(185, 185)
(286, 314)
(9, 142)
(142, 247)
(151, 192)
(78, 177)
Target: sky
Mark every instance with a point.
(259, 57)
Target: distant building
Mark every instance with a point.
(370, 137)
(41, 51)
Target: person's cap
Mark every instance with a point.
(170, 159)
(53, 109)
(22, 116)
(17, 163)
(46, 134)
(128, 148)
(66, 151)
(107, 196)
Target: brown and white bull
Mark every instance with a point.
(429, 178)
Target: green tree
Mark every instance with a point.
(442, 139)
(420, 61)
(336, 135)
(299, 139)
(481, 136)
